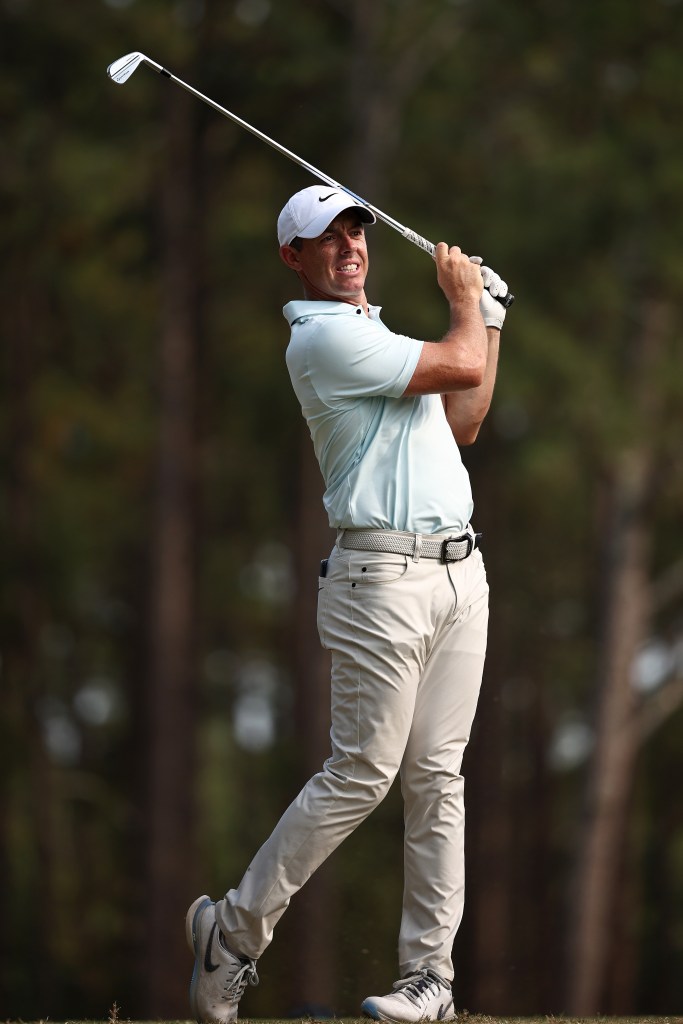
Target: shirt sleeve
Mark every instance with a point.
(351, 358)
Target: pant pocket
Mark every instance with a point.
(374, 568)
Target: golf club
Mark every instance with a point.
(121, 70)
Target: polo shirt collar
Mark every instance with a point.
(299, 308)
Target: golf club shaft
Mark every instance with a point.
(407, 233)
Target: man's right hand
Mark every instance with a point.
(457, 362)
(459, 279)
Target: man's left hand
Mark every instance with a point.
(493, 312)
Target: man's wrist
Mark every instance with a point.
(465, 306)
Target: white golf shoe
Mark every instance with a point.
(219, 977)
(422, 996)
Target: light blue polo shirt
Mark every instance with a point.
(389, 462)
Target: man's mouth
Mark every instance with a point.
(349, 268)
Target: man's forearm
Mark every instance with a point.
(466, 410)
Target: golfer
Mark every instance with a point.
(402, 607)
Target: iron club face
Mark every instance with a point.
(121, 69)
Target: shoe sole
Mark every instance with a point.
(368, 1009)
(193, 941)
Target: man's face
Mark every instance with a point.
(334, 265)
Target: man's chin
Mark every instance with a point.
(351, 292)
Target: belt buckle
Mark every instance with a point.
(443, 557)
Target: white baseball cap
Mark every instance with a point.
(308, 212)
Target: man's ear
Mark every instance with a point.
(290, 257)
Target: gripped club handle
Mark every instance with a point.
(423, 243)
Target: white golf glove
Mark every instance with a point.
(493, 312)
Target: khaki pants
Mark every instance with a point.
(408, 640)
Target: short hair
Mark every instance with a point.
(297, 243)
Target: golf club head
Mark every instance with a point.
(121, 70)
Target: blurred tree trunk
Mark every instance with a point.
(172, 709)
(26, 769)
(626, 612)
(392, 52)
(605, 829)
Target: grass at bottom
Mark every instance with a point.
(463, 1017)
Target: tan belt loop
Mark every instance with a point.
(417, 548)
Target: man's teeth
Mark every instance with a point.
(349, 267)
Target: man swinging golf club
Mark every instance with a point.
(403, 602)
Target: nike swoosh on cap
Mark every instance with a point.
(323, 199)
